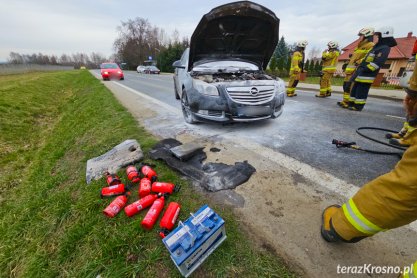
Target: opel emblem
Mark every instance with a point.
(254, 91)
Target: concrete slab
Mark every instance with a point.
(126, 153)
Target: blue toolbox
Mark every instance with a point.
(194, 240)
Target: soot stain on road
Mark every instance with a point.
(211, 176)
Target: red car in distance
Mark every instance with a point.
(111, 71)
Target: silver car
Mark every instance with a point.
(221, 76)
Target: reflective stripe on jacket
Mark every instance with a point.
(371, 64)
(360, 222)
(330, 60)
(360, 51)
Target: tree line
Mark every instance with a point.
(76, 60)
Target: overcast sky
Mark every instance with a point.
(56, 27)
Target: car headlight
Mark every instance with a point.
(119, 72)
(205, 88)
(106, 72)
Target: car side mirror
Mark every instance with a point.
(177, 64)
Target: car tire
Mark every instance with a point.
(186, 110)
(122, 78)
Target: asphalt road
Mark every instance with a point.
(306, 128)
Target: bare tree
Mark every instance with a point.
(15, 58)
(314, 54)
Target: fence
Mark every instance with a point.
(22, 68)
(387, 80)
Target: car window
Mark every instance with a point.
(184, 57)
(109, 66)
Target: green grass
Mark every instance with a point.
(51, 222)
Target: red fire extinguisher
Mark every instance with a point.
(148, 172)
(113, 209)
(113, 190)
(153, 213)
(165, 187)
(140, 204)
(144, 187)
(112, 179)
(132, 174)
(169, 218)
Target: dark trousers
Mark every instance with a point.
(359, 94)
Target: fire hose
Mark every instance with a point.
(353, 145)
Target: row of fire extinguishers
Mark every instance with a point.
(151, 194)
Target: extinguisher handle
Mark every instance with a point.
(177, 188)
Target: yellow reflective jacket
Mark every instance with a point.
(296, 60)
(330, 60)
(358, 54)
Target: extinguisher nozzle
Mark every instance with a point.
(163, 233)
(177, 188)
(154, 178)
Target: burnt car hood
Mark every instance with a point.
(240, 31)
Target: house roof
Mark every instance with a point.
(403, 49)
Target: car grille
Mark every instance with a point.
(252, 95)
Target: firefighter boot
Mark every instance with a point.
(343, 104)
(327, 231)
(356, 107)
(328, 93)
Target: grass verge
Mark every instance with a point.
(51, 222)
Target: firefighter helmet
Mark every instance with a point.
(333, 44)
(386, 31)
(302, 44)
(366, 32)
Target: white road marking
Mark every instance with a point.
(396, 117)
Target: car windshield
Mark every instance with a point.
(152, 68)
(109, 66)
(225, 66)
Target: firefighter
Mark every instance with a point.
(364, 46)
(297, 67)
(368, 69)
(329, 58)
(387, 202)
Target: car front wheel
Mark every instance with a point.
(186, 111)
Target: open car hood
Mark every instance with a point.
(239, 31)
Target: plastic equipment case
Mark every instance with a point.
(195, 239)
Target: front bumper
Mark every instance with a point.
(112, 75)
(224, 109)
